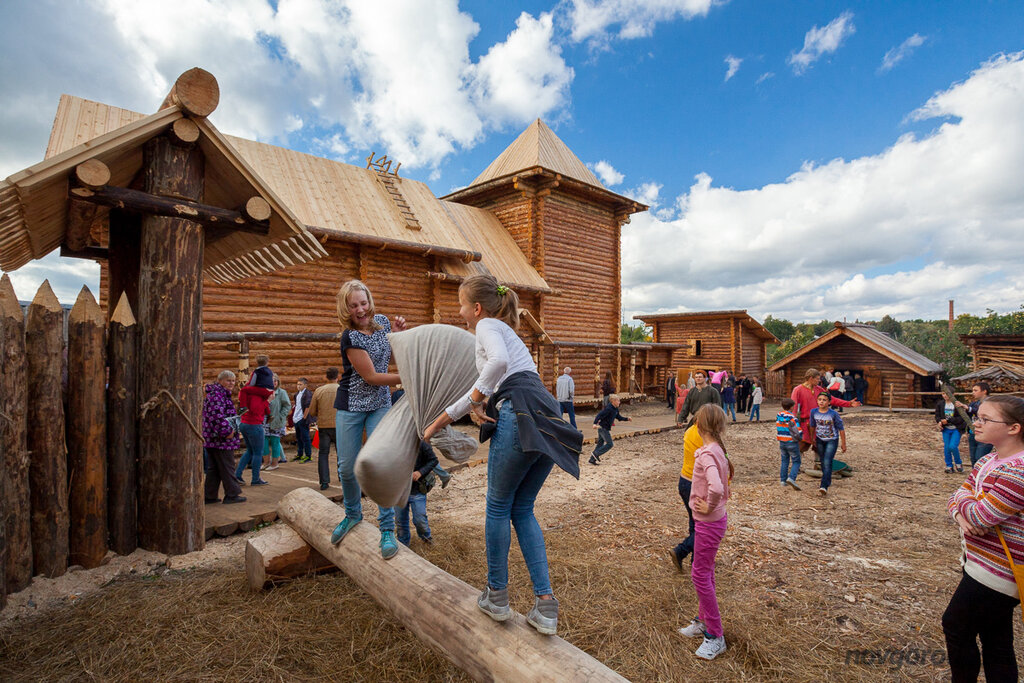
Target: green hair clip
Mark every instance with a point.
(502, 290)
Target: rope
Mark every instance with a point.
(155, 401)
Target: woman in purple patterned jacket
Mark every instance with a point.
(220, 440)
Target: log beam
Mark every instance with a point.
(122, 408)
(195, 92)
(89, 253)
(48, 473)
(172, 207)
(14, 484)
(454, 626)
(171, 511)
(87, 433)
(124, 242)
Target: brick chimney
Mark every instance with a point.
(950, 315)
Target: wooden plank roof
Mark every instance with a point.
(34, 201)
(874, 340)
(344, 202)
(745, 318)
(538, 146)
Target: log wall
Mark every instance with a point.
(844, 353)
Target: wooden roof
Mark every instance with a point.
(874, 340)
(538, 146)
(34, 202)
(983, 339)
(745, 319)
(350, 203)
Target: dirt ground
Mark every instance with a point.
(810, 588)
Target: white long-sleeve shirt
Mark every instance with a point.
(499, 353)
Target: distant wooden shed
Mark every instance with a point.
(862, 349)
(995, 358)
(712, 340)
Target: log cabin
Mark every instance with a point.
(536, 218)
(711, 340)
(995, 358)
(862, 349)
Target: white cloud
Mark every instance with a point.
(765, 76)
(903, 50)
(592, 20)
(899, 232)
(822, 40)
(733, 66)
(647, 194)
(607, 173)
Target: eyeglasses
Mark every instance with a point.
(984, 421)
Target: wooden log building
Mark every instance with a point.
(862, 349)
(537, 219)
(995, 358)
(711, 340)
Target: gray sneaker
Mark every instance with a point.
(494, 604)
(792, 482)
(544, 616)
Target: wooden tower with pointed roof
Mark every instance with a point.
(567, 224)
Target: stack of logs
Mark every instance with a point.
(67, 436)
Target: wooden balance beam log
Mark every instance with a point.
(437, 607)
(279, 554)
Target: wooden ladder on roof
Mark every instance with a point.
(387, 178)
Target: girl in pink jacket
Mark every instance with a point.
(710, 491)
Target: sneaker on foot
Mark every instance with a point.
(445, 478)
(695, 628)
(228, 500)
(593, 460)
(677, 559)
(427, 541)
(823, 492)
(324, 487)
(544, 616)
(261, 482)
(272, 467)
(792, 482)
(494, 604)
(388, 545)
(211, 500)
(711, 647)
(343, 528)
(783, 483)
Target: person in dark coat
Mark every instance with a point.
(701, 394)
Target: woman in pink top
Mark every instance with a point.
(709, 493)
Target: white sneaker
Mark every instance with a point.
(792, 482)
(711, 647)
(783, 483)
(696, 628)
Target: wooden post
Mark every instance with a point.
(597, 374)
(122, 412)
(454, 626)
(618, 367)
(632, 369)
(195, 92)
(87, 433)
(48, 472)
(171, 511)
(558, 370)
(892, 388)
(14, 485)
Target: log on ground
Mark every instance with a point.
(279, 554)
(454, 626)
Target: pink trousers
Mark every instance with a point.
(707, 537)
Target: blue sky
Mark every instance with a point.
(804, 159)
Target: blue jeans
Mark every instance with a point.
(686, 547)
(755, 410)
(513, 481)
(730, 407)
(568, 407)
(349, 428)
(418, 504)
(303, 444)
(951, 445)
(977, 449)
(790, 452)
(253, 437)
(827, 451)
(604, 442)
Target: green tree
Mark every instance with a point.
(889, 326)
(991, 323)
(780, 327)
(629, 334)
(933, 340)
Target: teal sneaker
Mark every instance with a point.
(388, 545)
(343, 528)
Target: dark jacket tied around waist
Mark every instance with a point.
(541, 427)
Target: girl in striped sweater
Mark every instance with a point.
(989, 501)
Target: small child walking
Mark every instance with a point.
(756, 399)
(711, 474)
(827, 427)
(787, 431)
(603, 422)
(423, 480)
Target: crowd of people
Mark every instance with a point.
(509, 401)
